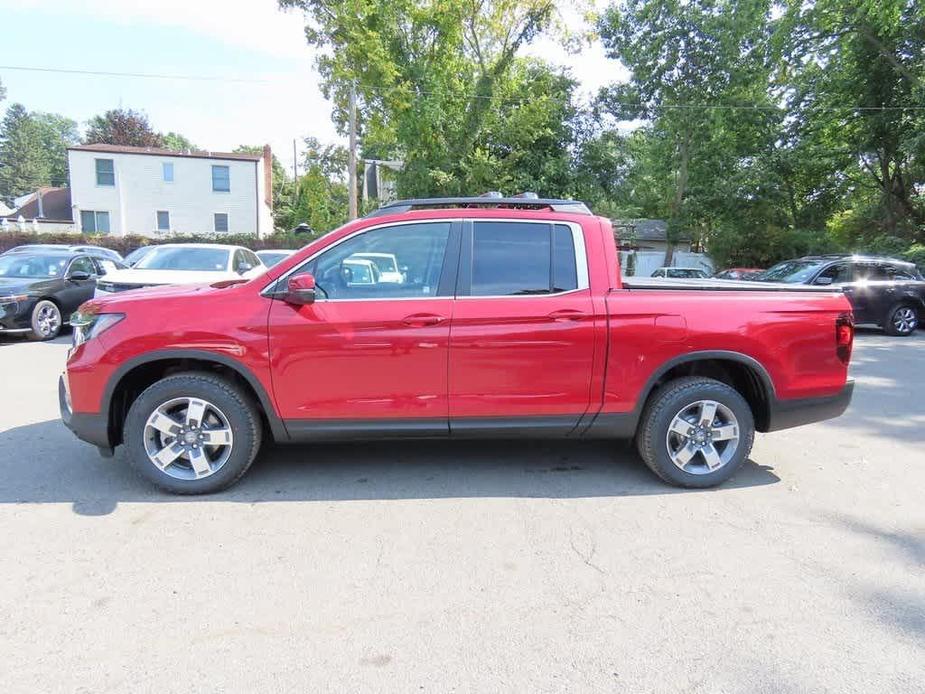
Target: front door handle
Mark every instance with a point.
(422, 320)
(566, 314)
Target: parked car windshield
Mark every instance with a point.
(271, 258)
(789, 271)
(33, 266)
(192, 259)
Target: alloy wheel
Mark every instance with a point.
(188, 438)
(702, 437)
(905, 320)
(48, 320)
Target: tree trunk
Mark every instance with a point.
(674, 210)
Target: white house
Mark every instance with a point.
(139, 190)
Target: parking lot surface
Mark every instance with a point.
(471, 567)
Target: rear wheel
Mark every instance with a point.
(696, 432)
(901, 320)
(192, 433)
(45, 323)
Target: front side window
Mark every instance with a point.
(220, 221)
(221, 179)
(163, 220)
(349, 270)
(94, 222)
(82, 264)
(521, 258)
(167, 171)
(105, 172)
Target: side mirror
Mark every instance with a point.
(79, 276)
(823, 280)
(300, 289)
(244, 267)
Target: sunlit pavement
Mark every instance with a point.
(471, 567)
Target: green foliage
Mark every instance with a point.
(122, 127)
(57, 133)
(178, 143)
(23, 163)
(319, 196)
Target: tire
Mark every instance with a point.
(45, 322)
(901, 320)
(230, 420)
(684, 402)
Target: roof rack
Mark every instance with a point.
(524, 201)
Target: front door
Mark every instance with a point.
(521, 344)
(77, 291)
(370, 354)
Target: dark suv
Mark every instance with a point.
(884, 291)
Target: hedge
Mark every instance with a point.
(127, 244)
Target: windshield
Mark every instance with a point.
(790, 271)
(33, 266)
(270, 258)
(190, 259)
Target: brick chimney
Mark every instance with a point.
(268, 175)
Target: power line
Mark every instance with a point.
(143, 75)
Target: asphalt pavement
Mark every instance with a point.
(471, 567)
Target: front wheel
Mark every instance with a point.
(192, 433)
(696, 432)
(45, 322)
(901, 320)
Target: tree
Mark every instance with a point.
(693, 63)
(122, 127)
(178, 143)
(23, 166)
(57, 133)
(857, 76)
(281, 183)
(427, 76)
(2, 91)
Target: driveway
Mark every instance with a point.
(471, 567)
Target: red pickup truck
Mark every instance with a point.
(503, 318)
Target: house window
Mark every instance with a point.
(221, 221)
(105, 172)
(92, 221)
(163, 220)
(221, 179)
(167, 171)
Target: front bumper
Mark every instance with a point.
(89, 427)
(16, 316)
(784, 414)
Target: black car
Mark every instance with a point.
(884, 291)
(40, 290)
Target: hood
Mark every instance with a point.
(23, 285)
(150, 278)
(124, 300)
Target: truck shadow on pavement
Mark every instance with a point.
(43, 463)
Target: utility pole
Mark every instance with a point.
(295, 170)
(352, 172)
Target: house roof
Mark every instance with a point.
(646, 229)
(158, 152)
(56, 206)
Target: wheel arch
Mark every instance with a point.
(740, 371)
(132, 377)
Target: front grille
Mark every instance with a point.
(120, 287)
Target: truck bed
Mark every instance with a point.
(649, 283)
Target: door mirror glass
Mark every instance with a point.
(300, 289)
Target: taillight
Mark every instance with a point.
(844, 337)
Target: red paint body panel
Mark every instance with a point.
(575, 353)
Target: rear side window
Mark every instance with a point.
(520, 258)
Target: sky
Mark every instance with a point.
(262, 86)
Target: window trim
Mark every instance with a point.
(227, 228)
(157, 224)
(96, 173)
(581, 257)
(212, 174)
(96, 226)
(450, 256)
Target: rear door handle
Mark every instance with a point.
(421, 320)
(566, 314)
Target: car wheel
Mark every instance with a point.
(696, 432)
(45, 323)
(901, 320)
(192, 433)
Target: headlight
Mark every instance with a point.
(86, 326)
(105, 286)
(9, 298)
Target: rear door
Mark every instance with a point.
(521, 342)
(369, 357)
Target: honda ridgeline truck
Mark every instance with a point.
(509, 318)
